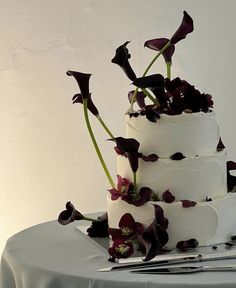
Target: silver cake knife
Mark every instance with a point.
(186, 259)
(185, 269)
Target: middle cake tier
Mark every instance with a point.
(194, 179)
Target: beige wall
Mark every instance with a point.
(46, 157)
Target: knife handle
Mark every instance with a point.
(219, 268)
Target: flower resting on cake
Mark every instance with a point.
(128, 228)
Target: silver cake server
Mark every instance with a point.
(184, 259)
(185, 269)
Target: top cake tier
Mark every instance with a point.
(195, 134)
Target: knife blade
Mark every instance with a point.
(185, 269)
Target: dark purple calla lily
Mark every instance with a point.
(158, 44)
(128, 228)
(82, 80)
(121, 249)
(122, 59)
(184, 29)
(77, 98)
(69, 215)
(129, 146)
(155, 236)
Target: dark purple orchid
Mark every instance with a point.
(123, 188)
(128, 228)
(186, 245)
(122, 59)
(188, 203)
(231, 179)
(155, 236)
(168, 197)
(77, 98)
(121, 249)
(184, 29)
(129, 147)
(82, 80)
(69, 215)
(158, 44)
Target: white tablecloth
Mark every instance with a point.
(53, 256)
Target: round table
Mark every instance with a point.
(50, 255)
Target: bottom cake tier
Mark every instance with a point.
(210, 222)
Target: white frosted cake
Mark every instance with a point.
(199, 177)
(173, 185)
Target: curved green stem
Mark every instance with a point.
(91, 219)
(105, 126)
(85, 105)
(154, 100)
(146, 71)
(168, 69)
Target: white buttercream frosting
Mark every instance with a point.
(189, 178)
(191, 134)
(210, 222)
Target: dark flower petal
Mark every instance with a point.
(155, 80)
(82, 80)
(115, 194)
(98, 229)
(152, 115)
(186, 245)
(127, 220)
(116, 234)
(160, 234)
(160, 218)
(122, 59)
(220, 146)
(188, 203)
(150, 158)
(154, 246)
(77, 98)
(158, 44)
(139, 98)
(185, 28)
(168, 197)
(177, 156)
(231, 165)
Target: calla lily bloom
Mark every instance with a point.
(122, 59)
(83, 81)
(69, 215)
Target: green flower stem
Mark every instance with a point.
(155, 58)
(168, 68)
(91, 219)
(104, 126)
(135, 180)
(85, 105)
(146, 71)
(154, 100)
